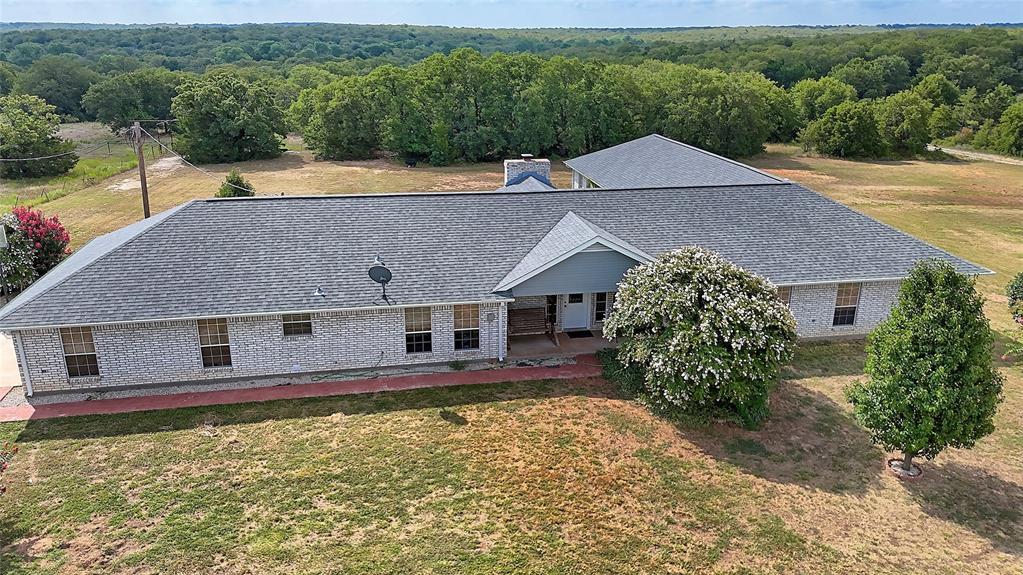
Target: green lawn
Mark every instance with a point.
(540, 477)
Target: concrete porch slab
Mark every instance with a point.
(541, 346)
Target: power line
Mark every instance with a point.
(164, 146)
(50, 157)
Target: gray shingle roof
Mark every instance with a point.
(657, 162)
(526, 182)
(267, 255)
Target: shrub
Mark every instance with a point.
(16, 259)
(707, 335)
(235, 186)
(931, 382)
(1014, 293)
(47, 238)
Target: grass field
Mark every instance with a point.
(541, 477)
(102, 155)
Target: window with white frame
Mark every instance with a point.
(467, 326)
(846, 301)
(214, 342)
(297, 323)
(599, 307)
(418, 330)
(785, 294)
(79, 351)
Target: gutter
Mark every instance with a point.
(499, 299)
(27, 378)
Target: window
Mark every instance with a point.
(599, 306)
(785, 294)
(418, 331)
(467, 326)
(214, 344)
(552, 309)
(575, 298)
(79, 351)
(297, 323)
(846, 300)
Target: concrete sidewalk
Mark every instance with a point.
(585, 366)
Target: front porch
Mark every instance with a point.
(542, 346)
(557, 325)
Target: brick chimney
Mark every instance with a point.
(517, 170)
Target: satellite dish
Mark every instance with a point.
(379, 273)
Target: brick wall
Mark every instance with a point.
(813, 307)
(167, 352)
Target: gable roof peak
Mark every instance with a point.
(571, 235)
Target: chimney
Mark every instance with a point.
(517, 170)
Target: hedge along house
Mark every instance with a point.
(249, 287)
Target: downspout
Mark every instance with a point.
(27, 380)
(502, 323)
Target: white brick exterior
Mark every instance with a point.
(813, 307)
(168, 352)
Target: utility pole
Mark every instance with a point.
(136, 133)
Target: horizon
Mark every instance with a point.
(655, 14)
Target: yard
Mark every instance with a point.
(541, 477)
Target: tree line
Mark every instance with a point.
(467, 106)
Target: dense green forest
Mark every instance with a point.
(446, 94)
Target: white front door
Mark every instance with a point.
(577, 311)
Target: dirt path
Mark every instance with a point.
(972, 155)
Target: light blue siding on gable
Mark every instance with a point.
(583, 272)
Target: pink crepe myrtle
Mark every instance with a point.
(47, 236)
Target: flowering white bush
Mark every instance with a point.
(707, 334)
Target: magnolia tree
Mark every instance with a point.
(705, 335)
(931, 382)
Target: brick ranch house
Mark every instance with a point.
(243, 288)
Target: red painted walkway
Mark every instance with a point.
(585, 366)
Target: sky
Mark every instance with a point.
(520, 13)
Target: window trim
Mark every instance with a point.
(227, 333)
(845, 307)
(787, 299)
(428, 342)
(91, 342)
(457, 330)
(285, 322)
(597, 304)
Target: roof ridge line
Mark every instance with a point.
(6, 310)
(720, 157)
(487, 192)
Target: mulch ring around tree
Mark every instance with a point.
(895, 466)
